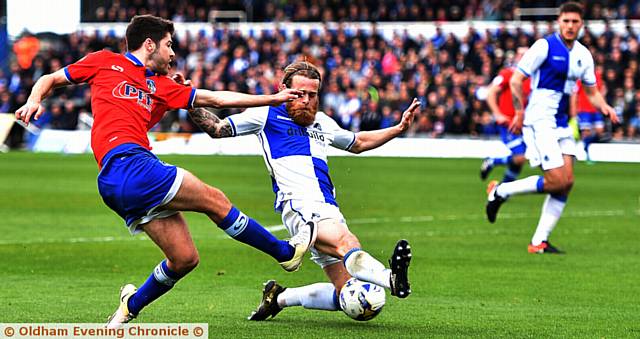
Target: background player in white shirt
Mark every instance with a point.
(555, 63)
(295, 138)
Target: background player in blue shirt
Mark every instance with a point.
(555, 63)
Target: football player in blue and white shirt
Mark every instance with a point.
(295, 138)
(554, 64)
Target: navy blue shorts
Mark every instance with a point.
(134, 183)
(514, 142)
(588, 120)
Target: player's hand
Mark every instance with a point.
(25, 112)
(286, 95)
(409, 113)
(516, 123)
(179, 78)
(500, 118)
(608, 110)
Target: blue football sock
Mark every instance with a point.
(244, 229)
(159, 282)
(512, 173)
(336, 300)
(501, 161)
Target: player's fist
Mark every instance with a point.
(180, 79)
(25, 112)
(516, 123)
(286, 95)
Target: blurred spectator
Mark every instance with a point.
(333, 10)
(26, 48)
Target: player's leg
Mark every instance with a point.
(194, 195)
(172, 237)
(318, 296)
(335, 239)
(489, 163)
(517, 147)
(544, 151)
(552, 209)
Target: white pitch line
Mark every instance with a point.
(357, 221)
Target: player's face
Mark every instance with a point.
(162, 56)
(570, 25)
(303, 110)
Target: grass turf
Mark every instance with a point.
(65, 254)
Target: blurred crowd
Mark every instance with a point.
(368, 80)
(335, 10)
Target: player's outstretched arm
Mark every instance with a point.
(597, 100)
(228, 99)
(41, 89)
(517, 93)
(210, 123)
(492, 102)
(372, 139)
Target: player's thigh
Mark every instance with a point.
(543, 148)
(329, 247)
(195, 195)
(337, 274)
(172, 235)
(334, 238)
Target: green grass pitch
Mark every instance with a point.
(64, 254)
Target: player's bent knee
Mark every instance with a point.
(186, 263)
(347, 242)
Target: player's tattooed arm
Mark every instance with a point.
(210, 123)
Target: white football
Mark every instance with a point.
(361, 300)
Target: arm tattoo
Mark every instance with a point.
(210, 123)
(515, 94)
(517, 105)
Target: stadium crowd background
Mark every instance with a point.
(368, 80)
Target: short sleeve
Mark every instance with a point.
(84, 69)
(342, 138)
(498, 80)
(589, 75)
(534, 57)
(251, 121)
(176, 95)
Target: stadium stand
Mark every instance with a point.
(369, 77)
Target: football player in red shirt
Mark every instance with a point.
(590, 120)
(501, 104)
(129, 94)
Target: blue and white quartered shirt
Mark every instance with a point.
(296, 156)
(554, 70)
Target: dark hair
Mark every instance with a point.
(572, 7)
(142, 27)
(303, 68)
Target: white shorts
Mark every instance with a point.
(546, 144)
(296, 213)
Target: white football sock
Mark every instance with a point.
(318, 296)
(526, 185)
(363, 266)
(551, 212)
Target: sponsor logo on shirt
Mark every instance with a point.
(301, 132)
(126, 91)
(558, 57)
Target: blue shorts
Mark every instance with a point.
(588, 120)
(514, 142)
(135, 183)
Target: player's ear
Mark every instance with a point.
(149, 45)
